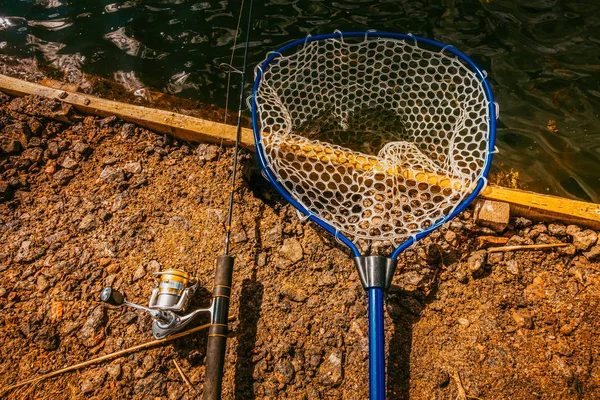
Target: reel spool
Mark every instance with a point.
(169, 299)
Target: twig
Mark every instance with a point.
(525, 247)
(462, 395)
(185, 379)
(108, 356)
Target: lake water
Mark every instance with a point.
(543, 59)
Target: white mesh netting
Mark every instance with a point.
(380, 138)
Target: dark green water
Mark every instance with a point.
(543, 58)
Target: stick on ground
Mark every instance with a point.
(107, 357)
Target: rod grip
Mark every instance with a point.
(217, 333)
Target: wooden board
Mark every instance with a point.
(177, 125)
(523, 203)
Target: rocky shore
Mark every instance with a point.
(89, 202)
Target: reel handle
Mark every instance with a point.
(112, 297)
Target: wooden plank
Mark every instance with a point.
(523, 203)
(177, 125)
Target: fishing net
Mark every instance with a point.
(381, 138)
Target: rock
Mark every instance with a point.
(521, 222)
(111, 174)
(33, 154)
(583, 240)
(557, 230)
(492, 214)
(568, 250)
(537, 230)
(114, 370)
(495, 258)
(512, 266)
(63, 177)
(291, 250)
(273, 237)
(523, 319)
(261, 259)
(19, 132)
(92, 332)
(284, 371)
(442, 379)
(139, 273)
(29, 253)
(206, 152)
(593, 254)
(9, 145)
(133, 167)
(127, 130)
(68, 163)
(153, 266)
(105, 122)
(412, 278)
(47, 339)
(81, 148)
(331, 371)
(42, 283)
(293, 293)
(151, 386)
(573, 229)
(88, 222)
(537, 289)
(93, 380)
(451, 238)
(477, 261)
(463, 321)
(120, 202)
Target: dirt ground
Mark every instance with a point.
(88, 203)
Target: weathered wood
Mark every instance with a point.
(177, 125)
(523, 203)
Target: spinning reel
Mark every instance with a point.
(168, 302)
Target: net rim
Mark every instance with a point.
(271, 177)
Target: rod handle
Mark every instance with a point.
(112, 297)
(217, 333)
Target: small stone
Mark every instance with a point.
(42, 283)
(139, 273)
(521, 222)
(291, 250)
(463, 321)
(120, 202)
(261, 259)
(583, 240)
(512, 266)
(273, 237)
(151, 386)
(68, 163)
(109, 160)
(206, 152)
(133, 167)
(523, 319)
(9, 145)
(537, 289)
(153, 266)
(477, 261)
(284, 371)
(593, 254)
(412, 278)
(104, 122)
(92, 332)
(461, 276)
(47, 339)
(114, 370)
(81, 148)
(88, 222)
(573, 229)
(111, 174)
(537, 230)
(451, 238)
(495, 258)
(127, 130)
(293, 293)
(443, 379)
(568, 250)
(28, 253)
(557, 229)
(92, 381)
(331, 370)
(63, 177)
(33, 154)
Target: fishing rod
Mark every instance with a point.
(172, 294)
(217, 333)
